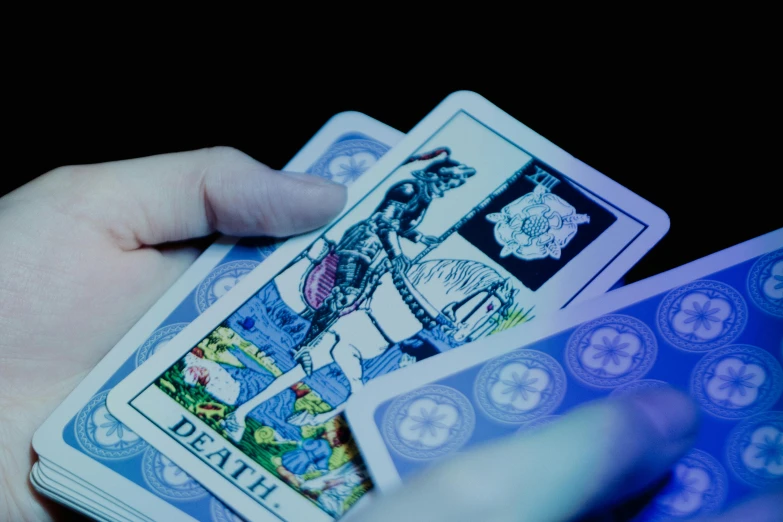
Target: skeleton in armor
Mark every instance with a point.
(365, 244)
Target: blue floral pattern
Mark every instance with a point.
(220, 281)
(349, 169)
(429, 422)
(611, 351)
(755, 450)
(737, 381)
(702, 316)
(167, 480)
(347, 160)
(698, 487)
(157, 340)
(101, 435)
(520, 386)
(767, 449)
(765, 283)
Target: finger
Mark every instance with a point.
(594, 456)
(175, 197)
(764, 508)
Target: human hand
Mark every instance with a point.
(85, 251)
(600, 462)
(401, 263)
(430, 240)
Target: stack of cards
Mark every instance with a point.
(228, 399)
(90, 461)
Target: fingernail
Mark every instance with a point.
(673, 414)
(309, 178)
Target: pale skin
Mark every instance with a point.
(85, 251)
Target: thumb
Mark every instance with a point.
(597, 455)
(175, 197)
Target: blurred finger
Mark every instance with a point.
(176, 197)
(596, 455)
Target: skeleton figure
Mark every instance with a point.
(369, 241)
(367, 251)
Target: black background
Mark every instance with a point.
(536, 272)
(690, 127)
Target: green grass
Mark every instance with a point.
(190, 397)
(262, 453)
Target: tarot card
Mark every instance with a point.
(472, 225)
(713, 327)
(82, 443)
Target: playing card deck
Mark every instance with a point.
(93, 463)
(227, 399)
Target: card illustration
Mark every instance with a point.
(98, 435)
(452, 247)
(550, 222)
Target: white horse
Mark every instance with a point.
(466, 293)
